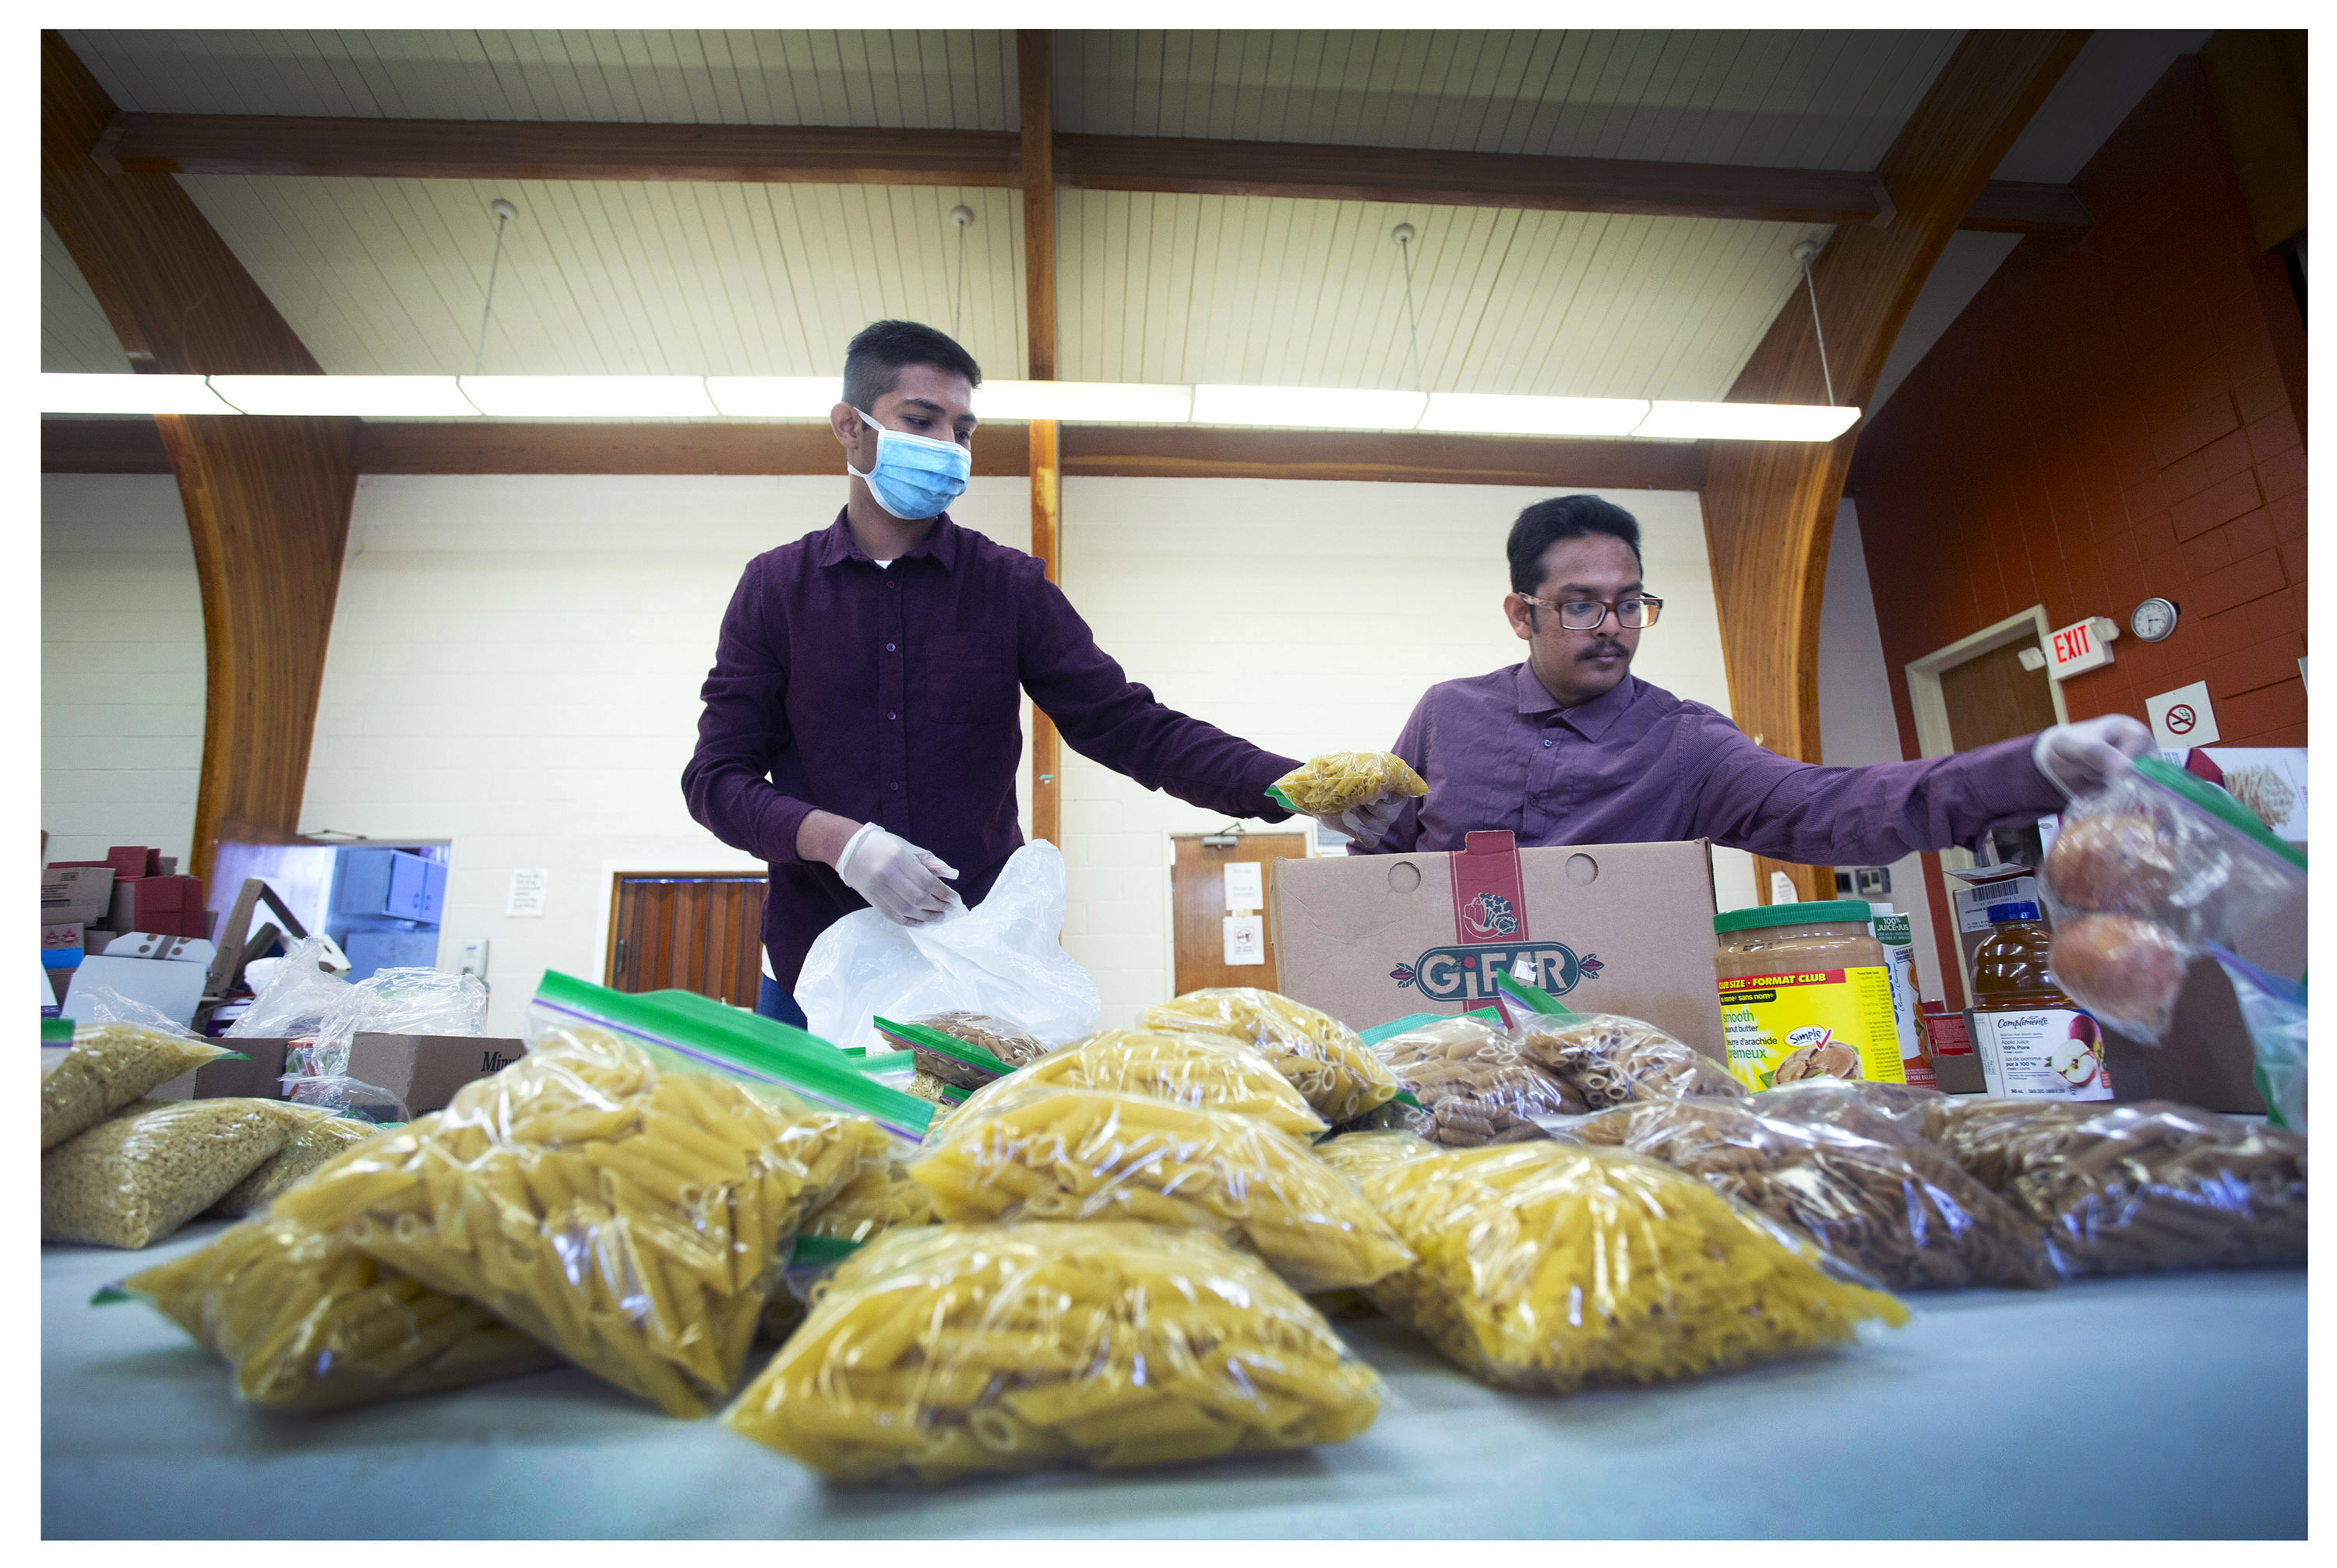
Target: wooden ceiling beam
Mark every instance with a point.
(1769, 507)
(267, 500)
(846, 155)
(1088, 451)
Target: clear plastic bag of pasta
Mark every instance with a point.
(1204, 1071)
(1553, 1267)
(1903, 1215)
(2139, 1188)
(1323, 1059)
(934, 1355)
(1605, 1059)
(1886, 1113)
(1340, 781)
(147, 1169)
(319, 1140)
(1045, 1153)
(2150, 873)
(628, 1213)
(963, 1049)
(1356, 1155)
(114, 1061)
(308, 1322)
(1472, 1084)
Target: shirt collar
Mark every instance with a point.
(1590, 719)
(838, 545)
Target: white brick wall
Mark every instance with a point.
(514, 663)
(122, 665)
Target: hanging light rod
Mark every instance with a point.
(811, 397)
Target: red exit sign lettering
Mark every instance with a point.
(2080, 646)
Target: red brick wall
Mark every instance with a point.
(2105, 421)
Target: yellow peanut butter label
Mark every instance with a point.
(1810, 1023)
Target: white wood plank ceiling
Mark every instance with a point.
(389, 277)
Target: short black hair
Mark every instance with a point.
(873, 362)
(1545, 522)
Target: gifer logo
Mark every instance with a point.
(1467, 972)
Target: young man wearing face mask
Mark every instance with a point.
(1571, 748)
(862, 724)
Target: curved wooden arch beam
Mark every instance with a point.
(1769, 507)
(267, 500)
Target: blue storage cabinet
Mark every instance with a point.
(372, 950)
(392, 884)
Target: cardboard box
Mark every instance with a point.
(136, 860)
(83, 893)
(173, 989)
(1954, 1064)
(168, 905)
(1609, 927)
(60, 945)
(258, 1078)
(425, 1070)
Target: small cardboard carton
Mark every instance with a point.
(425, 1070)
(60, 945)
(83, 893)
(170, 906)
(256, 1079)
(1607, 927)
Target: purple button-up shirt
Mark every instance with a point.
(1638, 765)
(890, 695)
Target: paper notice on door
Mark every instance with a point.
(1244, 939)
(526, 895)
(1244, 887)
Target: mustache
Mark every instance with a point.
(1603, 649)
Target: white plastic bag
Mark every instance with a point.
(298, 997)
(1004, 957)
(393, 1002)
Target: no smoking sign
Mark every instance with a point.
(2182, 718)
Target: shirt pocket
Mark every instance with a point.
(966, 678)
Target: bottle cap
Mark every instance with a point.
(1998, 914)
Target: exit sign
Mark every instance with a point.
(2080, 646)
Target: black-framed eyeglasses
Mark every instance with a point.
(1633, 614)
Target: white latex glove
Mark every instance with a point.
(1368, 823)
(2081, 758)
(899, 881)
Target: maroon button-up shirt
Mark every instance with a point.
(1638, 765)
(890, 695)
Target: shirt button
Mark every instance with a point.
(892, 716)
(893, 787)
(1549, 742)
(889, 648)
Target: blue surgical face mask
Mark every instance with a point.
(914, 477)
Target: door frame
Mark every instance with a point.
(697, 864)
(1929, 699)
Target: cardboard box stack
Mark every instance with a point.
(88, 909)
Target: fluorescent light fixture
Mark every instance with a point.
(775, 397)
(382, 397)
(1747, 422)
(1487, 414)
(66, 393)
(1085, 402)
(591, 397)
(1341, 409)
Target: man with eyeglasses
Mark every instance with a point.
(1569, 747)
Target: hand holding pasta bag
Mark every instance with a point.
(937, 1354)
(1204, 1071)
(628, 1215)
(308, 1322)
(1358, 793)
(1554, 1267)
(1323, 1059)
(1045, 1153)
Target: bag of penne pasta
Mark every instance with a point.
(1326, 1061)
(1553, 1266)
(1903, 1215)
(629, 1214)
(2137, 1188)
(936, 1354)
(1205, 1071)
(308, 1322)
(1050, 1152)
(696, 1033)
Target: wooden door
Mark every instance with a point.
(1196, 891)
(1991, 698)
(679, 931)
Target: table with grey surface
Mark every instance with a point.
(2167, 1406)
